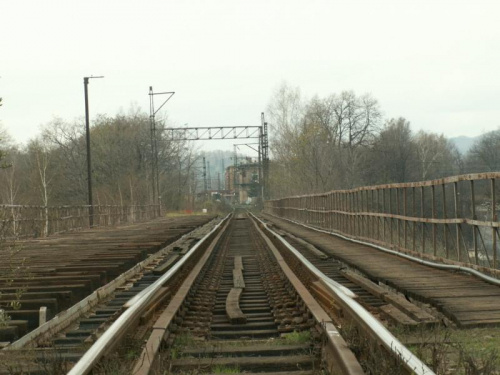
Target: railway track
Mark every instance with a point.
(234, 302)
(65, 338)
(462, 299)
(385, 303)
(244, 336)
(41, 278)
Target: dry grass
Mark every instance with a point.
(449, 351)
(374, 359)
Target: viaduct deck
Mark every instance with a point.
(466, 300)
(58, 271)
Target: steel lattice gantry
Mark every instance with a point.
(213, 133)
(206, 133)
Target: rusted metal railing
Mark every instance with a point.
(454, 218)
(22, 221)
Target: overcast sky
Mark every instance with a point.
(434, 62)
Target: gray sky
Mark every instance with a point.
(433, 62)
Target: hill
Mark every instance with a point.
(464, 143)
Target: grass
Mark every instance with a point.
(374, 359)
(474, 351)
(478, 338)
(4, 318)
(183, 339)
(121, 360)
(296, 338)
(220, 369)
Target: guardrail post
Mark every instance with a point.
(357, 217)
(345, 197)
(414, 214)
(445, 228)
(342, 214)
(349, 208)
(376, 223)
(398, 221)
(362, 213)
(371, 209)
(494, 218)
(352, 210)
(434, 225)
(391, 218)
(473, 207)
(367, 218)
(359, 211)
(315, 208)
(405, 222)
(384, 218)
(332, 208)
(422, 214)
(457, 226)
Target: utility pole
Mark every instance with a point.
(205, 177)
(218, 181)
(265, 156)
(87, 134)
(152, 130)
(260, 171)
(236, 173)
(155, 172)
(209, 178)
(223, 172)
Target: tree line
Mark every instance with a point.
(343, 141)
(320, 144)
(51, 169)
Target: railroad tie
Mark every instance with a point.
(233, 311)
(313, 249)
(164, 267)
(238, 263)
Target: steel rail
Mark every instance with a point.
(67, 317)
(133, 310)
(362, 316)
(448, 267)
(150, 352)
(338, 357)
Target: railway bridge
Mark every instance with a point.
(390, 279)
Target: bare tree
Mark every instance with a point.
(43, 171)
(285, 112)
(358, 120)
(392, 153)
(5, 141)
(484, 155)
(68, 143)
(436, 156)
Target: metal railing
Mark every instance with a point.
(23, 221)
(453, 218)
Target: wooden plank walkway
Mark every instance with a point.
(466, 300)
(66, 268)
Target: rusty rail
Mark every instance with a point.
(454, 218)
(358, 313)
(137, 305)
(25, 221)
